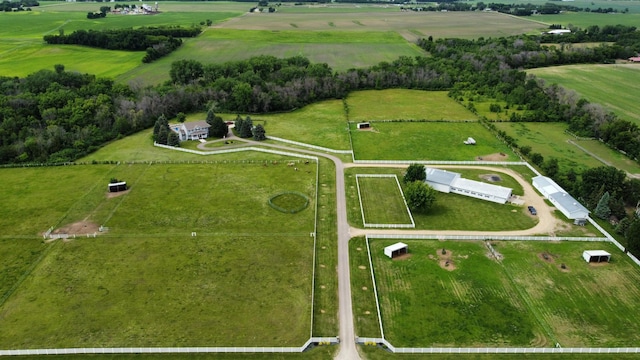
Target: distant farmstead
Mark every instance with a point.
(192, 130)
(451, 182)
(635, 59)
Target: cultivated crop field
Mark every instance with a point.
(382, 201)
(147, 281)
(465, 298)
(450, 212)
(427, 141)
(613, 86)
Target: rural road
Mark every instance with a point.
(546, 225)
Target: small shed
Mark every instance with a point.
(470, 141)
(118, 186)
(364, 125)
(596, 256)
(396, 249)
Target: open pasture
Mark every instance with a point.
(156, 284)
(450, 212)
(382, 200)
(584, 19)
(403, 104)
(611, 156)
(321, 124)
(427, 141)
(550, 140)
(613, 86)
(477, 301)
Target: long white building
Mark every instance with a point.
(451, 182)
(564, 202)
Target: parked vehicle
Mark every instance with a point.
(532, 210)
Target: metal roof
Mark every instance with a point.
(439, 176)
(395, 247)
(484, 188)
(547, 185)
(569, 204)
(596, 253)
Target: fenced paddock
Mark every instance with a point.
(382, 203)
(564, 306)
(182, 285)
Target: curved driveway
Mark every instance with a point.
(547, 224)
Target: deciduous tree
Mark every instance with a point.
(415, 172)
(419, 196)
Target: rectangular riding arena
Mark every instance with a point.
(382, 202)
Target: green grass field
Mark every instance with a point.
(450, 212)
(613, 157)
(613, 86)
(402, 104)
(426, 141)
(156, 285)
(476, 301)
(550, 140)
(382, 201)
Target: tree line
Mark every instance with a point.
(8, 6)
(156, 41)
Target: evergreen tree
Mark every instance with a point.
(173, 139)
(246, 130)
(602, 209)
(163, 135)
(218, 128)
(259, 133)
(633, 237)
(238, 124)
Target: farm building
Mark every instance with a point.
(635, 59)
(558, 31)
(118, 186)
(396, 249)
(451, 182)
(364, 125)
(192, 130)
(596, 256)
(564, 202)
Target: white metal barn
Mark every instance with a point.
(451, 182)
(596, 256)
(564, 202)
(396, 249)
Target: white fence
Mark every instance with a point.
(484, 237)
(348, 152)
(248, 148)
(441, 162)
(172, 350)
(489, 350)
(388, 226)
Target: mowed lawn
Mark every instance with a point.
(403, 104)
(321, 124)
(551, 141)
(450, 211)
(426, 141)
(613, 86)
(383, 201)
(148, 281)
(524, 300)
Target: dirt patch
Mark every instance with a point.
(78, 228)
(493, 157)
(446, 260)
(564, 268)
(547, 257)
(402, 257)
(595, 264)
(116, 194)
(491, 177)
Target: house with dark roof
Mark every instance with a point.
(192, 130)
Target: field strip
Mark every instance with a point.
(110, 215)
(366, 196)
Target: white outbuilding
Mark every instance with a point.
(596, 256)
(564, 202)
(451, 182)
(396, 250)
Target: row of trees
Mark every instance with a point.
(156, 41)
